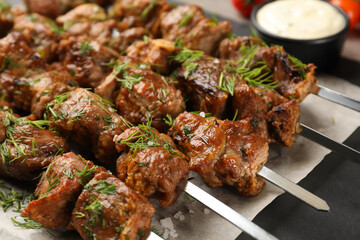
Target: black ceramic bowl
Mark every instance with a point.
(323, 52)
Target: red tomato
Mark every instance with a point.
(245, 6)
(352, 9)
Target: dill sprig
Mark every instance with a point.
(255, 73)
(168, 120)
(4, 6)
(26, 223)
(146, 11)
(186, 18)
(298, 64)
(102, 186)
(85, 48)
(7, 62)
(188, 57)
(226, 84)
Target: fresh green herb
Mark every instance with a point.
(187, 56)
(226, 84)
(146, 11)
(31, 17)
(87, 231)
(298, 64)
(67, 172)
(231, 36)
(214, 20)
(52, 181)
(79, 214)
(139, 233)
(190, 67)
(186, 18)
(253, 122)
(129, 80)
(12, 198)
(4, 6)
(146, 39)
(8, 62)
(26, 223)
(156, 231)
(102, 186)
(187, 131)
(85, 48)
(168, 120)
(86, 173)
(162, 94)
(235, 115)
(119, 229)
(54, 27)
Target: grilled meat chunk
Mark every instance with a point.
(222, 152)
(86, 60)
(16, 55)
(155, 52)
(200, 80)
(58, 190)
(139, 94)
(156, 170)
(276, 118)
(28, 146)
(188, 23)
(43, 32)
(294, 79)
(32, 93)
(54, 8)
(108, 209)
(6, 18)
(140, 13)
(89, 121)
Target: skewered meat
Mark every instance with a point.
(108, 209)
(155, 52)
(90, 20)
(28, 146)
(294, 79)
(89, 121)
(140, 94)
(188, 23)
(276, 117)
(16, 55)
(43, 32)
(6, 18)
(86, 60)
(54, 8)
(156, 169)
(198, 80)
(32, 93)
(222, 152)
(140, 13)
(59, 188)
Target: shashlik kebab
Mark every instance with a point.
(69, 127)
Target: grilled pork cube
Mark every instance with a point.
(188, 23)
(155, 52)
(222, 152)
(158, 170)
(16, 55)
(108, 209)
(294, 79)
(200, 80)
(58, 190)
(54, 8)
(6, 18)
(140, 94)
(28, 147)
(140, 13)
(274, 117)
(89, 121)
(43, 32)
(87, 60)
(32, 93)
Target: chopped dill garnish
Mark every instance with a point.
(214, 20)
(26, 223)
(186, 18)
(298, 64)
(85, 48)
(52, 181)
(4, 6)
(102, 186)
(146, 11)
(8, 62)
(226, 84)
(54, 27)
(168, 120)
(188, 57)
(86, 173)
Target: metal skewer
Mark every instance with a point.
(294, 189)
(338, 98)
(228, 213)
(327, 142)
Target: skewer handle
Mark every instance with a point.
(228, 213)
(338, 98)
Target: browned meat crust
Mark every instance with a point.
(293, 81)
(158, 170)
(188, 23)
(27, 147)
(54, 8)
(222, 152)
(140, 94)
(89, 121)
(58, 190)
(114, 212)
(87, 60)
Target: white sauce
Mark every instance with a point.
(300, 19)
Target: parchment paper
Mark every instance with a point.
(192, 220)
